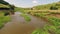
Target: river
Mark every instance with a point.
(18, 25)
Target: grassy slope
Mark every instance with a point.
(4, 6)
(53, 25)
(47, 6)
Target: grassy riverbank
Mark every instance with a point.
(3, 19)
(53, 25)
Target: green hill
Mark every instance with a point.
(48, 6)
(4, 4)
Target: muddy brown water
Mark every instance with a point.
(18, 25)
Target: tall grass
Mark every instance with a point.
(3, 19)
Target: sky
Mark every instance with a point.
(30, 3)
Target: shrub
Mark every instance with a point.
(53, 8)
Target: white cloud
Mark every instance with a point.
(34, 1)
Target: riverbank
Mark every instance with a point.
(18, 25)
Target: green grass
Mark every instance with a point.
(26, 17)
(55, 21)
(40, 31)
(52, 27)
(3, 19)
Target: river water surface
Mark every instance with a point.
(18, 25)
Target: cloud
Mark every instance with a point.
(34, 1)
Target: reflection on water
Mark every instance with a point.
(19, 26)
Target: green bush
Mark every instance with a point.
(53, 8)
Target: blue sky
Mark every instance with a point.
(30, 3)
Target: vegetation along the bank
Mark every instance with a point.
(53, 25)
(3, 19)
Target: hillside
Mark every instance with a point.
(4, 4)
(47, 6)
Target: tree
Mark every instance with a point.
(4, 2)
